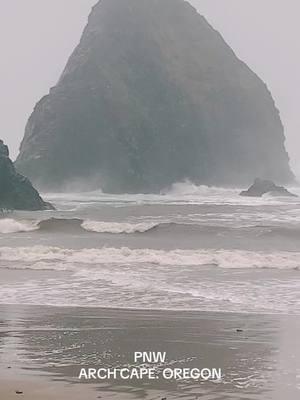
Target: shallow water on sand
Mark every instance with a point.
(261, 361)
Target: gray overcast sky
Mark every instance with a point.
(37, 36)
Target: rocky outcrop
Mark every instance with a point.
(153, 95)
(16, 191)
(261, 187)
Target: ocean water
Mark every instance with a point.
(191, 248)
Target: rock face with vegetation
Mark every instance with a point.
(261, 187)
(153, 95)
(16, 191)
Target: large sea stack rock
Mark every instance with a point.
(16, 191)
(153, 95)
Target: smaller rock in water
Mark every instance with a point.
(261, 187)
(16, 191)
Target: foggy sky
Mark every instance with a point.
(37, 37)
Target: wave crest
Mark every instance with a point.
(65, 225)
(118, 227)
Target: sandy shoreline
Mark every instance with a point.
(42, 350)
(39, 388)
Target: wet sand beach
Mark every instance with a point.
(42, 350)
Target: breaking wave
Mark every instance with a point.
(196, 226)
(118, 227)
(8, 225)
(65, 225)
(43, 257)
(55, 224)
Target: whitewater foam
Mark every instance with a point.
(156, 278)
(234, 259)
(8, 225)
(178, 194)
(118, 227)
(60, 224)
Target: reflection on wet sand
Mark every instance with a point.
(258, 355)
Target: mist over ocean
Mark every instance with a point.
(192, 248)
